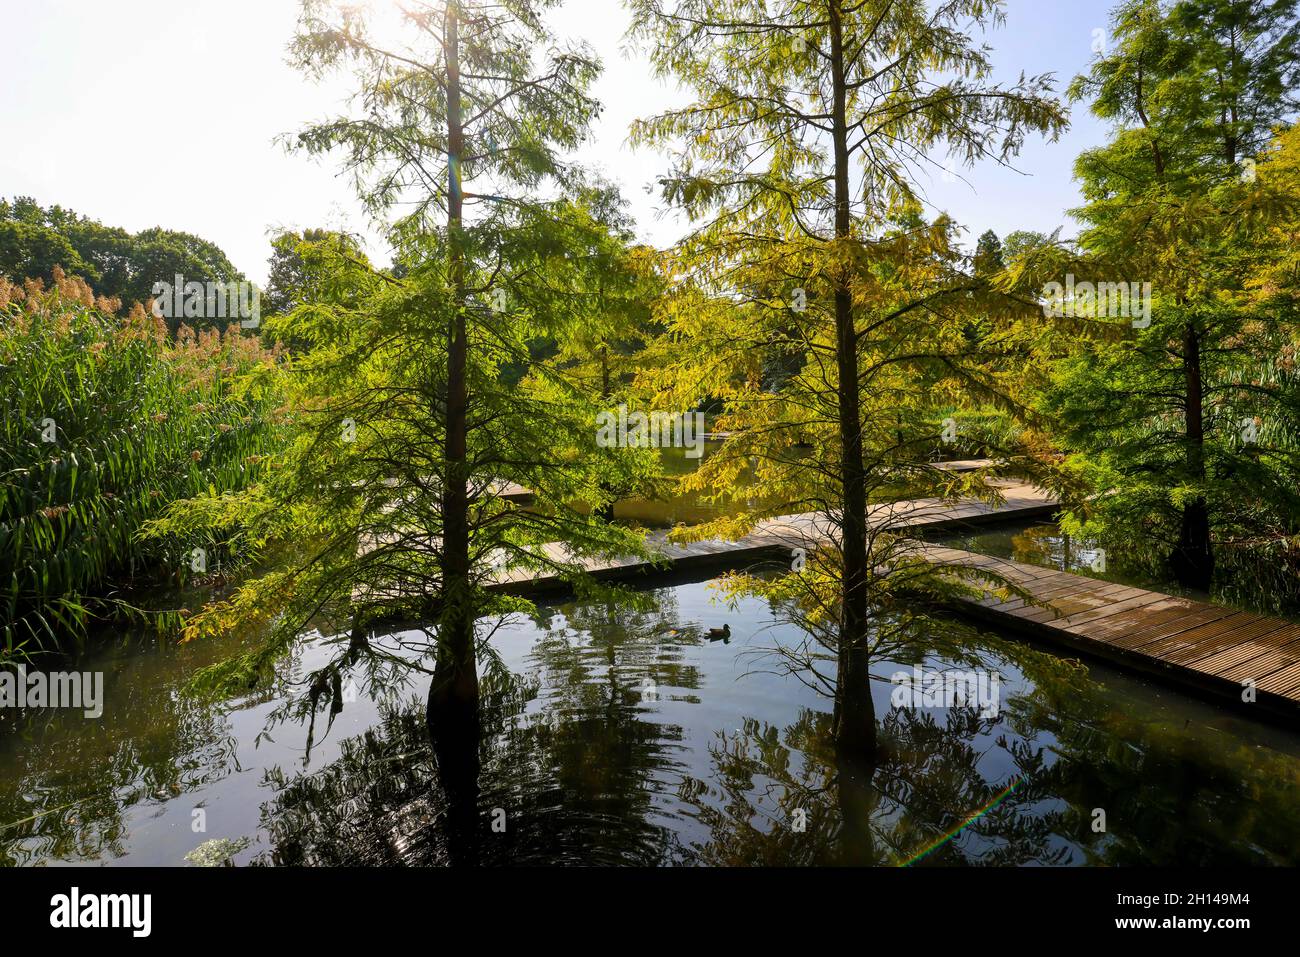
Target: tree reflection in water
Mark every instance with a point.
(69, 785)
(588, 769)
(591, 788)
(568, 761)
(626, 737)
(927, 784)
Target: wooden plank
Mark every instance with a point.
(1044, 593)
(1123, 623)
(1285, 682)
(1195, 615)
(1243, 661)
(1190, 644)
(1137, 601)
(1227, 637)
(1234, 646)
(1262, 666)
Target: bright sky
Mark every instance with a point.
(146, 113)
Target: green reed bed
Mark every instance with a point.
(103, 422)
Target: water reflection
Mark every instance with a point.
(1047, 545)
(69, 783)
(930, 784)
(677, 506)
(571, 763)
(628, 737)
(629, 740)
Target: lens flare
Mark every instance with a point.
(997, 799)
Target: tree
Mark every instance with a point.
(34, 251)
(988, 254)
(623, 281)
(421, 390)
(1021, 241)
(296, 260)
(1159, 411)
(800, 153)
(619, 284)
(425, 110)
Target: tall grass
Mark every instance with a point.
(103, 422)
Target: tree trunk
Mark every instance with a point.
(855, 718)
(453, 694)
(857, 798)
(605, 512)
(1193, 559)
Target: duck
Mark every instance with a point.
(724, 633)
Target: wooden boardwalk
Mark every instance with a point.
(781, 535)
(1192, 643)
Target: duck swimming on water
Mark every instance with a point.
(724, 633)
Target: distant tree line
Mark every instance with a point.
(117, 264)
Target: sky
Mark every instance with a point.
(167, 113)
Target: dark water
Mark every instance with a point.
(682, 507)
(630, 738)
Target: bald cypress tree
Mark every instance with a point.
(811, 124)
(422, 388)
(1180, 423)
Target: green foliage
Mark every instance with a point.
(419, 390)
(35, 250)
(1186, 428)
(1193, 86)
(758, 139)
(816, 303)
(105, 421)
(361, 480)
(294, 277)
(620, 284)
(988, 254)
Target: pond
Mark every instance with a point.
(682, 507)
(632, 738)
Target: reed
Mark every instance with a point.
(104, 421)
